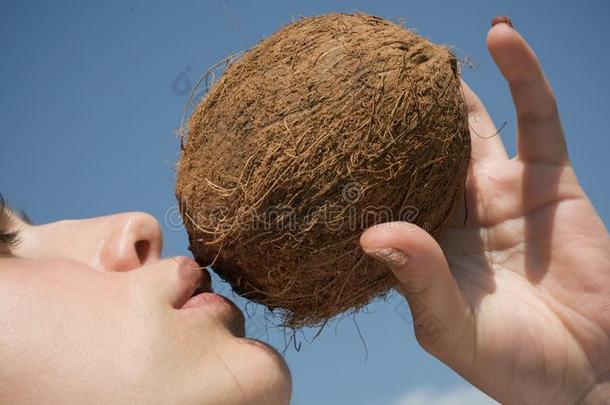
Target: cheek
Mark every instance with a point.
(38, 293)
(36, 278)
(45, 309)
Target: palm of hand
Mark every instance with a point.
(533, 259)
(535, 273)
(517, 298)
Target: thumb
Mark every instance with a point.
(439, 309)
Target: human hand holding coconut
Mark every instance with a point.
(516, 300)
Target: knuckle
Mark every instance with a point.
(417, 288)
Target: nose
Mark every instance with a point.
(128, 241)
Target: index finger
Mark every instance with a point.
(540, 136)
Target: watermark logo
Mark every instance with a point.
(182, 84)
(172, 219)
(352, 192)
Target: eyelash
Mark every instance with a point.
(10, 238)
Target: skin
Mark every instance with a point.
(90, 313)
(516, 300)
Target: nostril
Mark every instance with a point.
(142, 250)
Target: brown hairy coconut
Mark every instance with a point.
(330, 125)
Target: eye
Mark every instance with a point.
(9, 238)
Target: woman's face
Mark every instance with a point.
(89, 312)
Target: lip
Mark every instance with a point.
(221, 308)
(206, 298)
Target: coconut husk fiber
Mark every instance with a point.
(330, 125)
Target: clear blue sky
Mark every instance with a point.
(91, 94)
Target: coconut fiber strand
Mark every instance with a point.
(330, 125)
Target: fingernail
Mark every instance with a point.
(502, 19)
(389, 256)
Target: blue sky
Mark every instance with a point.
(92, 94)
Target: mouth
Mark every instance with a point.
(204, 298)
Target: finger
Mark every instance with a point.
(539, 133)
(438, 306)
(172, 280)
(486, 140)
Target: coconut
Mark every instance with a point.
(329, 126)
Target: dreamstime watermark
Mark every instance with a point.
(255, 329)
(182, 85)
(172, 219)
(352, 192)
(344, 215)
(428, 327)
(402, 310)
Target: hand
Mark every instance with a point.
(517, 300)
